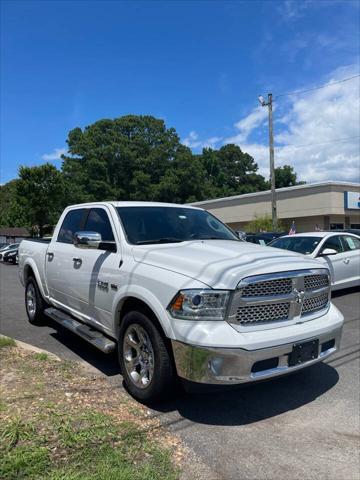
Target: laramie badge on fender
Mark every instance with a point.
(103, 285)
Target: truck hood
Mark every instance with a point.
(221, 263)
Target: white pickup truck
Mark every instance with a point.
(179, 295)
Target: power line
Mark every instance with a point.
(298, 92)
(336, 140)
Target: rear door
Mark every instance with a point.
(59, 264)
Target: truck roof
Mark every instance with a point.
(135, 204)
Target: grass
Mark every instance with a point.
(7, 342)
(72, 429)
(42, 356)
(86, 446)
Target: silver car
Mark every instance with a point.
(340, 251)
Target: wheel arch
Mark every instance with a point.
(131, 303)
(30, 270)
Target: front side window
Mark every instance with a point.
(144, 225)
(98, 221)
(304, 245)
(70, 225)
(333, 243)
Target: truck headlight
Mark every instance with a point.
(200, 304)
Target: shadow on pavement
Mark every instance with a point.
(106, 363)
(251, 403)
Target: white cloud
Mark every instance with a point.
(310, 133)
(246, 125)
(293, 9)
(192, 141)
(54, 155)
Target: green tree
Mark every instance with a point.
(263, 224)
(40, 192)
(119, 159)
(285, 176)
(230, 171)
(185, 179)
(12, 213)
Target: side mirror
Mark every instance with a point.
(328, 251)
(87, 240)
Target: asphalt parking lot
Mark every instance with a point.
(304, 426)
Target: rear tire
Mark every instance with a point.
(34, 303)
(144, 359)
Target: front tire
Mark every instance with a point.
(144, 359)
(34, 303)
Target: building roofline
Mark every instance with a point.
(284, 189)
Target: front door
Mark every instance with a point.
(338, 265)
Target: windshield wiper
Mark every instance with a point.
(160, 240)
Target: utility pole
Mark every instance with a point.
(272, 163)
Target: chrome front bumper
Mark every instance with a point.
(232, 366)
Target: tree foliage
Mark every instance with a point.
(286, 177)
(263, 224)
(40, 193)
(12, 213)
(133, 157)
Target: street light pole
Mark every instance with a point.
(272, 163)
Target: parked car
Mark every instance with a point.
(11, 255)
(339, 251)
(355, 231)
(8, 247)
(263, 238)
(177, 294)
(240, 234)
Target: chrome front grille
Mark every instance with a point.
(269, 287)
(312, 282)
(280, 297)
(263, 313)
(315, 303)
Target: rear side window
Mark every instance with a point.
(98, 221)
(334, 243)
(351, 243)
(70, 225)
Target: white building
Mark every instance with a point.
(330, 205)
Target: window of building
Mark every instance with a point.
(355, 225)
(71, 224)
(336, 226)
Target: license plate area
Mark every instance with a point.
(303, 352)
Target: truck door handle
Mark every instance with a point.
(77, 260)
(50, 256)
(346, 260)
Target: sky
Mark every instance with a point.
(199, 65)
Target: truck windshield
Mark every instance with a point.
(146, 225)
(304, 245)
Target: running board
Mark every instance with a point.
(96, 338)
